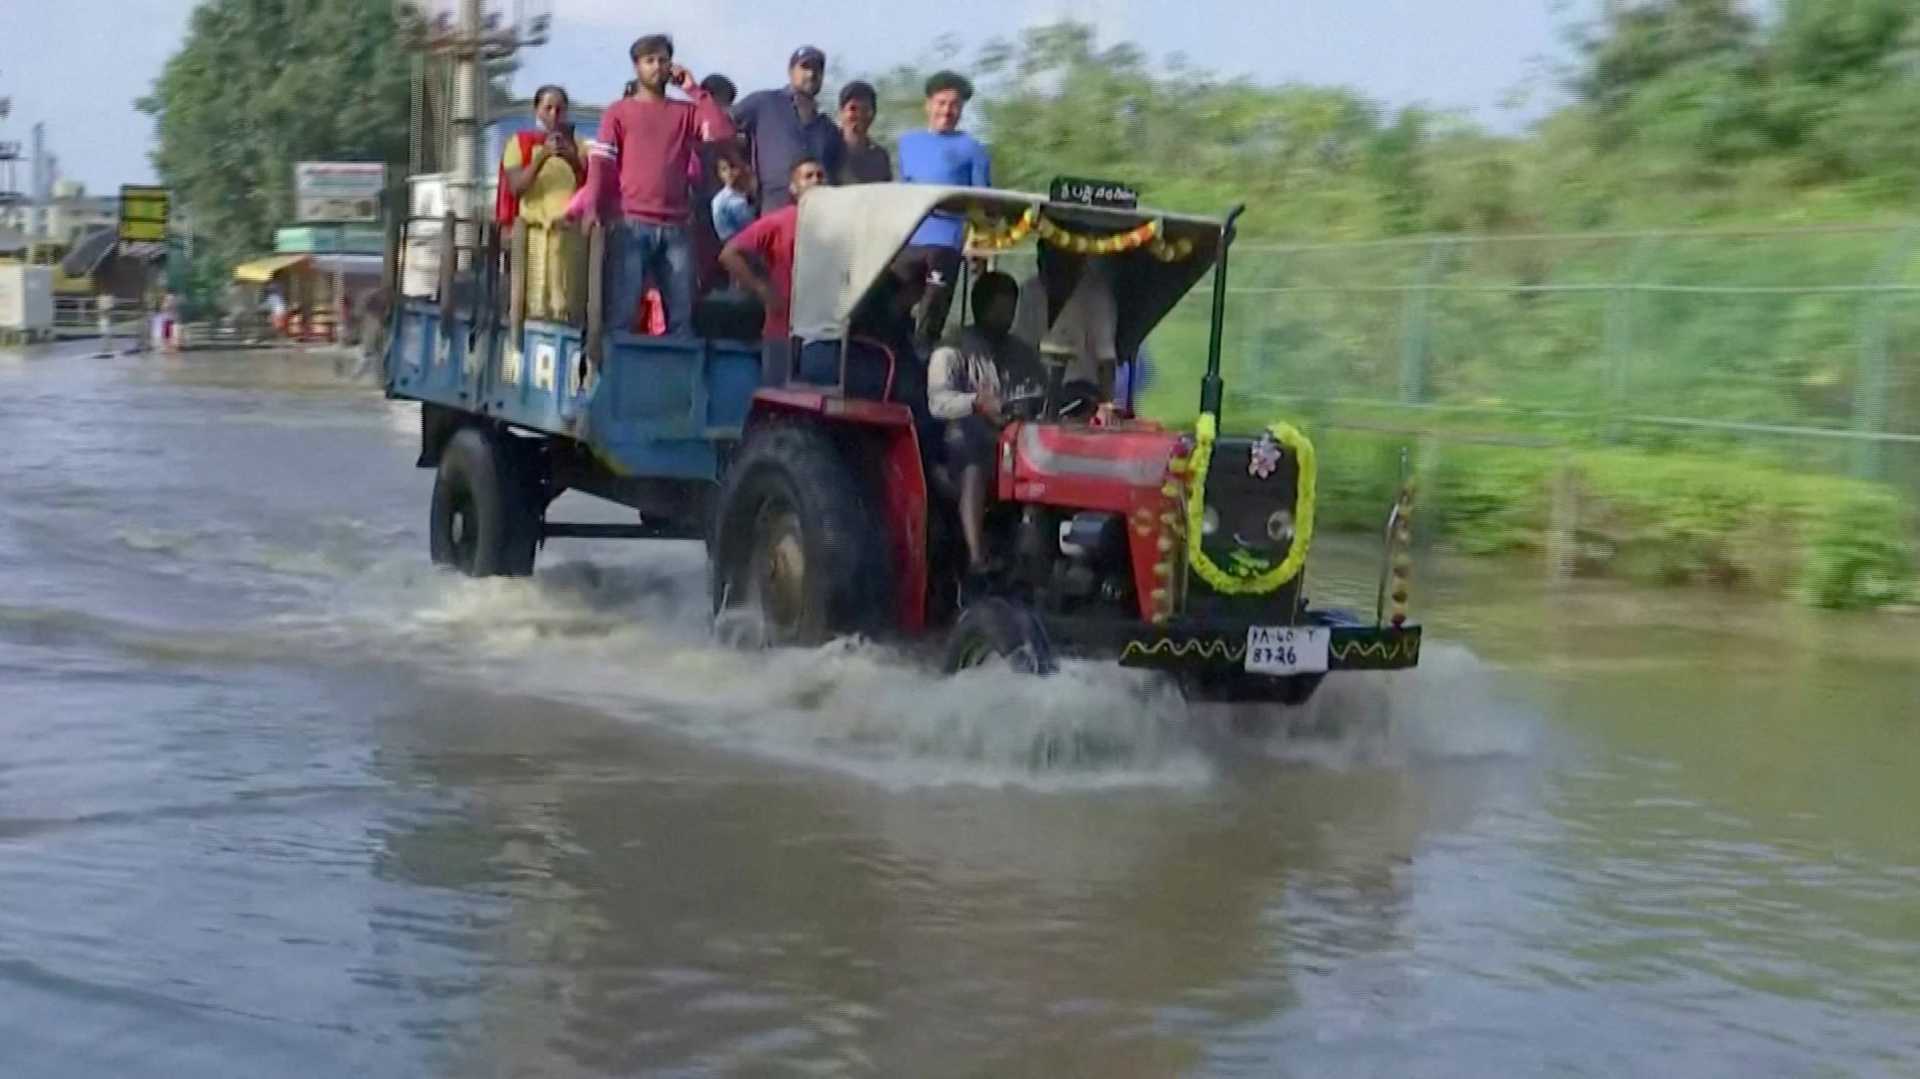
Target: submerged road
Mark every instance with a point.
(278, 798)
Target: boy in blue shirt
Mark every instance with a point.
(942, 154)
(732, 205)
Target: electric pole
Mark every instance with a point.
(473, 41)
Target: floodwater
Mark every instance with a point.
(278, 798)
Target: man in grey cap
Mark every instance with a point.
(786, 126)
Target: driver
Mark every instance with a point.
(969, 379)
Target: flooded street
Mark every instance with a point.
(279, 798)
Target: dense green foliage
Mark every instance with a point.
(1681, 112)
(260, 85)
(1663, 518)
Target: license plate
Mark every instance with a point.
(1286, 650)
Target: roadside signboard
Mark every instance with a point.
(143, 214)
(338, 191)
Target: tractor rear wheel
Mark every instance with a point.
(794, 544)
(485, 520)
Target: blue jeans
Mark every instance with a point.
(640, 253)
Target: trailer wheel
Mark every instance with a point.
(793, 542)
(999, 629)
(485, 520)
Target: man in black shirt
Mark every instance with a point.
(784, 126)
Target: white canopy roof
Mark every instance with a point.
(849, 236)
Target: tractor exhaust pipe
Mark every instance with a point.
(1211, 388)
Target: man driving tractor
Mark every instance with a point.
(969, 379)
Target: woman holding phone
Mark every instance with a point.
(539, 173)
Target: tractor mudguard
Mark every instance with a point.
(882, 434)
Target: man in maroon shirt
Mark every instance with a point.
(652, 144)
(771, 238)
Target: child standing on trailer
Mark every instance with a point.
(733, 203)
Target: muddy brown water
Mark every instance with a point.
(277, 798)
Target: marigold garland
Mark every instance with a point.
(1247, 581)
(984, 233)
(1176, 251)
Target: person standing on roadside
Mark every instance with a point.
(862, 161)
(785, 126)
(650, 144)
(942, 154)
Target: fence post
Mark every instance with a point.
(1563, 519)
(1870, 384)
(1415, 330)
(1617, 333)
(1260, 367)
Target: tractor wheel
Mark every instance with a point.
(794, 544)
(998, 629)
(485, 520)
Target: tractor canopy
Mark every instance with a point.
(849, 237)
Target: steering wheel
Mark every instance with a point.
(1027, 406)
(1078, 400)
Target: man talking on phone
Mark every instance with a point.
(539, 173)
(651, 143)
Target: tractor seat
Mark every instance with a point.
(871, 371)
(728, 314)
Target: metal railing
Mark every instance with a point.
(1806, 337)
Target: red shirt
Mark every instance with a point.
(655, 144)
(771, 237)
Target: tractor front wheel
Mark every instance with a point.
(997, 629)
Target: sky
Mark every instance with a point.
(78, 65)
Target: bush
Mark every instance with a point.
(1674, 517)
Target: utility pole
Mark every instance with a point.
(9, 153)
(473, 40)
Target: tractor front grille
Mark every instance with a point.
(1244, 504)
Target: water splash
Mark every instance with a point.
(637, 641)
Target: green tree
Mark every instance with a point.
(1640, 40)
(260, 85)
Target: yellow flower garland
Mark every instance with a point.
(1098, 245)
(983, 233)
(1249, 583)
(1177, 251)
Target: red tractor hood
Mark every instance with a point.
(1095, 468)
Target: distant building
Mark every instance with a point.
(71, 213)
(66, 215)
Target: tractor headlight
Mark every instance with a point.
(1209, 521)
(1280, 526)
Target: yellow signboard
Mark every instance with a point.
(143, 214)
